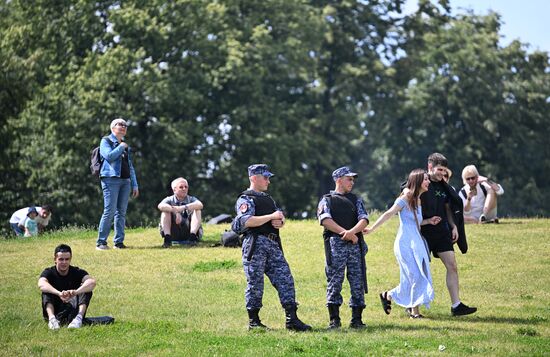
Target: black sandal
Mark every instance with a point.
(386, 303)
(419, 316)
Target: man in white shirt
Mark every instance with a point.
(18, 218)
(479, 196)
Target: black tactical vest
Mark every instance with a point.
(264, 204)
(343, 209)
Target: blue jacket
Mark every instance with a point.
(111, 152)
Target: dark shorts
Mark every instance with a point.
(439, 244)
(181, 232)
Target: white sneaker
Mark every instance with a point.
(53, 324)
(76, 323)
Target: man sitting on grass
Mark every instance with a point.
(180, 219)
(479, 196)
(66, 291)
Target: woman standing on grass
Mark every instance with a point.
(118, 179)
(415, 281)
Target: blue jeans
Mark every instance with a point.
(18, 230)
(116, 192)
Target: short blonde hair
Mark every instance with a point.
(175, 182)
(468, 171)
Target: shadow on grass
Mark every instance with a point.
(413, 327)
(492, 319)
(175, 246)
(500, 223)
(390, 327)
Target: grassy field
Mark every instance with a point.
(189, 301)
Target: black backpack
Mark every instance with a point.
(231, 239)
(96, 160)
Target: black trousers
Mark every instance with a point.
(64, 312)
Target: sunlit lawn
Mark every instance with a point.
(189, 301)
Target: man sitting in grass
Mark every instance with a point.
(66, 291)
(180, 219)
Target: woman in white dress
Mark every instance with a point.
(415, 281)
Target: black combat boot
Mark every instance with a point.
(356, 313)
(334, 315)
(292, 320)
(254, 320)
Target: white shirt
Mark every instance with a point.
(20, 216)
(478, 201)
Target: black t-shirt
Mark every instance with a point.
(71, 281)
(125, 165)
(433, 204)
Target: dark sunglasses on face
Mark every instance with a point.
(470, 178)
(122, 125)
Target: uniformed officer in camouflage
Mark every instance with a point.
(343, 216)
(259, 218)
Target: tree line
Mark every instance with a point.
(209, 87)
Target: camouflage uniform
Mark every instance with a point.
(267, 258)
(263, 252)
(344, 254)
(346, 210)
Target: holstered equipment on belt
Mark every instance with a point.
(363, 249)
(252, 247)
(326, 241)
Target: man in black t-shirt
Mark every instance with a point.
(437, 201)
(66, 291)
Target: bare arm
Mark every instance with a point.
(193, 206)
(362, 224)
(332, 226)
(351, 235)
(88, 284)
(384, 217)
(47, 288)
(432, 220)
(348, 235)
(256, 221)
(491, 184)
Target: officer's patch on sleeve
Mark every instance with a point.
(321, 209)
(244, 207)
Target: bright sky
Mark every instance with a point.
(526, 20)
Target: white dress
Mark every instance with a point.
(415, 280)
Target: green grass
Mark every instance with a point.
(189, 300)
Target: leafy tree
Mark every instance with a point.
(305, 86)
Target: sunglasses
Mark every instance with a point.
(122, 125)
(470, 178)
